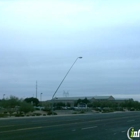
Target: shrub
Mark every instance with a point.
(82, 112)
(37, 114)
(3, 115)
(50, 113)
(74, 113)
(37, 109)
(54, 113)
(25, 107)
(19, 115)
(5, 112)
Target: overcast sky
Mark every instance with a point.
(40, 40)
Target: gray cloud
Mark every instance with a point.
(43, 49)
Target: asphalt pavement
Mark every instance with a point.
(109, 126)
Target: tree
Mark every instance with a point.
(59, 105)
(25, 107)
(11, 102)
(86, 101)
(33, 100)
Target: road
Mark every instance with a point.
(110, 126)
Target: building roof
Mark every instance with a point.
(102, 97)
(88, 97)
(71, 98)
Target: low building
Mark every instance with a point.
(81, 106)
(72, 100)
(119, 100)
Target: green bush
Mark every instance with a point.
(25, 107)
(37, 114)
(5, 112)
(19, 115)
(50, 113)
(74, 113)
(82, 112)
(132, 109)
(37, 109)
(3, 115)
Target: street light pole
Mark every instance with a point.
(63, 80)
(41, 98)
(3, 96)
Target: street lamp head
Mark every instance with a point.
(80, 57)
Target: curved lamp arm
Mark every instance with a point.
(65, 76)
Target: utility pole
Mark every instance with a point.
(3, 96)
(36, 89)
(41, 98)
